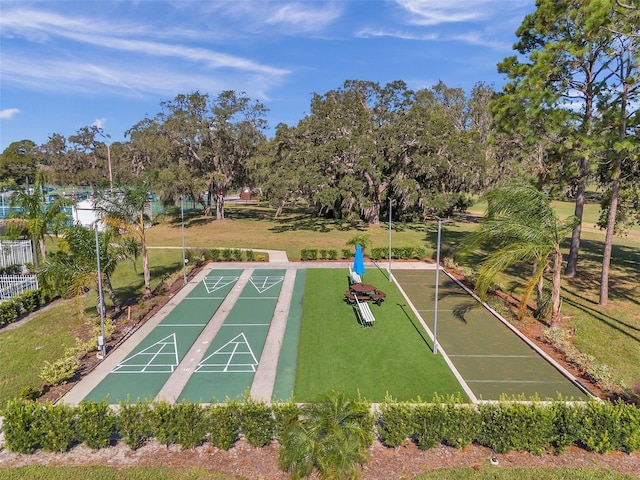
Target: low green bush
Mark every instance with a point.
(96, 424)
(395, 423)
(256, 422)
(21, 427)
(223, 425)
(56, 426)
(135, 423)
(237, 255)
(308, 254)
(535, 427)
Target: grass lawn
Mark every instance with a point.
(155, 473)
(392, 357)
(23, 350)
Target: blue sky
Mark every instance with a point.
(69, 64)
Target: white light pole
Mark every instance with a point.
(101, 339)
(184, 259)
(390, 274)
(435, 310)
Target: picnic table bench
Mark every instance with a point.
(353, 276)
(366, 315)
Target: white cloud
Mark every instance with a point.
(8, 113)
(435, 12)
(301, 17)
(401, 34)
(99, 122)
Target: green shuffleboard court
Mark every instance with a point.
(491, 358)
(146, 369)
(229, 364)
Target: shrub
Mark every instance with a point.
(378, 253)
(164, 424)
(256, 422)
(59, 371)
(333, 254)
(31, 300)
(56, 426)
(395, 423)
(347, 253)
(215, 255)
(428, 425)
(629, 428)
(460, 423)
(7, 312)
(251, 256)
(227, 254)
(237, 255)
(96, 424)
(20, 426)
(516, 426)
(601, 427)
(191, 427)
(324, 254)
(309, 254)
(134, 423)
(223, 425)
(567, 420)
(285, 414)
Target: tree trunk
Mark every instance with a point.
(539, 285)
(279, 210)
(220, 206)
(34, 250)
(572, 260)
(556, 286)
(608, 238)
(145, 259)
(111, 293)
(43, 249)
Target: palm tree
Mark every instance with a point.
(36, 217)
(331, 436)
(75, 266)
(124, 212)
(522, 227)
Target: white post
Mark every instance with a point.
(101, 340)
(435, 310)
(390, 274)
(184, 259)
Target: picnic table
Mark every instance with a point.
(364, 292)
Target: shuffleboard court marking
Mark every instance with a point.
(223, 360)
(264, 283)
(161, 357)
(212, 284)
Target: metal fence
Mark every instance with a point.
(12, 286)
(15, 252)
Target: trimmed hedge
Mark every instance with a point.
(534, 427)
(10, 310)
(377, 253)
